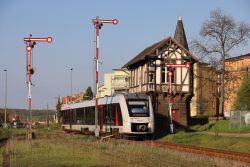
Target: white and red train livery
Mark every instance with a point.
(124, 113)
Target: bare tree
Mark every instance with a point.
(219, 35)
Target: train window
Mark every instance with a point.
(84, 116)
(63, 116)
(110, 117)
(74, 116)
(66, 116)
(79, 113)
(90, 115)
(138, 108)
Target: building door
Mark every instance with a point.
(176, 116)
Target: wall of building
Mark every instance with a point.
(117, 81)
(205, 91)
(235, 70)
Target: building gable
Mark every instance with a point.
(152, 52)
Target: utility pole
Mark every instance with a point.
(48, 117)
(30, 44)
(5, 106)
(98, 25)
(71, 114)
(170, 73)
(71, 70)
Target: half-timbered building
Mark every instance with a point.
(149, 75)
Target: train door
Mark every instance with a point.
(62, 112)
(116, 115)
(101, 117)
(70, 118)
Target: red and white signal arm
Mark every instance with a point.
(114, 21)
(178, 65)
(48, 39)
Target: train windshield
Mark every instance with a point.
(138, 108)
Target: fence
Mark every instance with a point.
(239, 119)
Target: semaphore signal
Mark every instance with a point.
(31, 42)
(170, 73)
(98, 23)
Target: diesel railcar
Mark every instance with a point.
(123, 113)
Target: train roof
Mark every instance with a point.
(105, 100)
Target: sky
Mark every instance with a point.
(69, 22)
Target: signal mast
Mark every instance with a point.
(170, 73)
(98, 25)
(30, 44)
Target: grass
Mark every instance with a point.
(220, 126)
(57, 149)
(5, 133)
(210, 135)
(210, 141)
(45, 152)
(224, 126)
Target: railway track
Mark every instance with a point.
(243, 157)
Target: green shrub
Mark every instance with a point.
(242, 101)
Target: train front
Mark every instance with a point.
(139, 116)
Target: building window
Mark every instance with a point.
(133, 80)
(119, 79)
(151, 77)
(164, 75)
(136, 77)
(145, 77)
